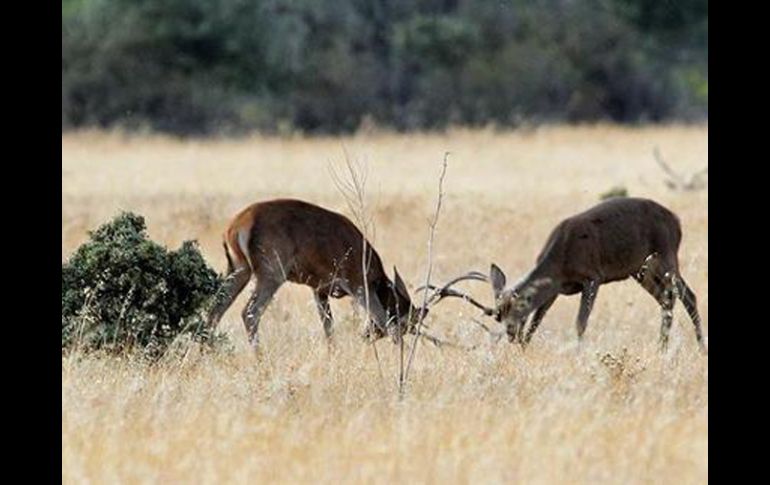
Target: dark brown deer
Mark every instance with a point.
(290, 240)
(615, 239)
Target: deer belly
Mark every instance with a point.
(620, 270)
(571, 288)
(336, 288)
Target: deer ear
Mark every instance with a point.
(497, 277)
(400, 286)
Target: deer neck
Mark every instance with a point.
(384, 291)
(538, 284)
(536, 278)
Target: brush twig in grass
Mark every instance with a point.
(676, 181)
(443, 343)
(495, 336)
(423, 306)
(352, 186)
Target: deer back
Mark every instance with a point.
(307, 244)
(609, 241)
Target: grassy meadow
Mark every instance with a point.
(610, 411)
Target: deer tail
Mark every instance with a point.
(230, 267)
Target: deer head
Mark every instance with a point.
(515, 304)
(402, 315)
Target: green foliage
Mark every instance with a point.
(196, 67)
(667, 16)
(435, 40)
(618, 191)
(123, 292)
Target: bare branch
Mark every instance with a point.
(442, 343)
(353, 189)
(424, 305)
(495, 335)
(676, 181)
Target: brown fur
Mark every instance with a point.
(608, 242)
(292, 240)
(614, 240)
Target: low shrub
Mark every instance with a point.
(122, 292)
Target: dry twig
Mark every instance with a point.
(353, 188)
(676, 181)
(434, 221)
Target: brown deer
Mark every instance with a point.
(291, 240)
(615, 239)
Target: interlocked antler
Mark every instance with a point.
(439, 293)
(447, 291)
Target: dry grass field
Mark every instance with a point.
(307, 413)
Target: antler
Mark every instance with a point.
(472, 275)
(446, 290)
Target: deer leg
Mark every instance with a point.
(667, 312)
(537, 318)
(587, 298)
(660, 284)
(256, 306)
(325, 312)
(690, 303)
(228, 292)
(650, 276)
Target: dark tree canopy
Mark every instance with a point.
(194, 67)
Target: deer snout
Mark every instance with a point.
(514, 326)
(373, 332)
(395, 333)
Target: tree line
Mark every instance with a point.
(198, 67)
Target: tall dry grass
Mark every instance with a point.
(305, 413)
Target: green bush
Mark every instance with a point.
(617, 191)
(123, 292)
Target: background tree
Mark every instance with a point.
(195, 67)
